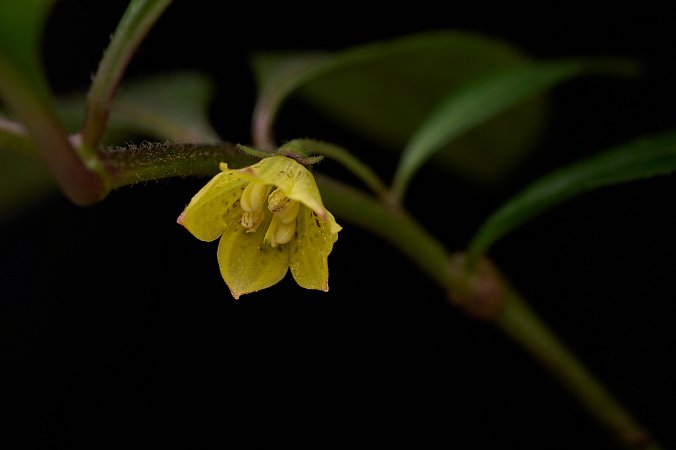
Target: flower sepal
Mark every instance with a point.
(289, 150)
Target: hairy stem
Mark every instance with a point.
(133, 27)
(153, 161)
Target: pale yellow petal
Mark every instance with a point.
(247, 263)
(310, 250)
(205, 215)
(296, 181)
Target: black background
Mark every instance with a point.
(117, 328)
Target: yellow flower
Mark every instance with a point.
(270, 218)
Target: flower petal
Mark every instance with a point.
(205, 215)
(310, 250)
(248, 264)
(294, 180)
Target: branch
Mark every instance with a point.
(139, 17)
(481, 291)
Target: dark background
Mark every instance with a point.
(116, 326)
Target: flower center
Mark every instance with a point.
(284, 212)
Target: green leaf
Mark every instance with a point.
(173, 107)
(21, 24)
(634, 161)
(387, 90)
(484, 98)
(472, 104)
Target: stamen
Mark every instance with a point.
(277, 200)
(282, 229)
(289, 212)
(271, 231)
(280, 233)
(284, 232)
(252, 219)
(253, 197)
(283, 206)
(251, 202)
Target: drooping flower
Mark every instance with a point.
(269, 217)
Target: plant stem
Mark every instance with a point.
(288, 77)
(391, 224)
(154, 161)
(78, 180)
(481, 291)
(511, 315)
(521, 324)
(138, 18)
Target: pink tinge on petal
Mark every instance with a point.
(321, 212)
(181, 218)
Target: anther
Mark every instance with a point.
(284, 232)
(253, 196)
(251, 202)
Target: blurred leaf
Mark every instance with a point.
(479, 100)
(21, 24)
(27, 96)
(23, 180)
(173, 107)
(23, 177)
(387, 90)
(13, 137)
(278, 74)
(641, 159)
